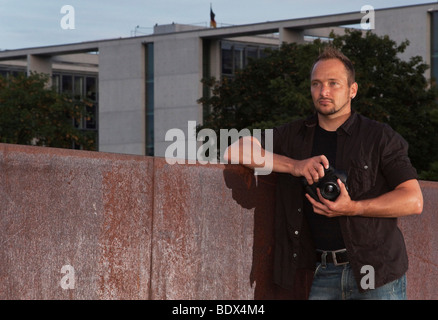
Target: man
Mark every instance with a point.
(355, 235)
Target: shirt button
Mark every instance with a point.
(296, 232)
(299, 209)
(294, 255)
(365, 167)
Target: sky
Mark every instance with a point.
(30, 23)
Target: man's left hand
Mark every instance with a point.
(342, 206)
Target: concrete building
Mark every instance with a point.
(144, 86)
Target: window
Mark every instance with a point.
(149, 99)
(434, 45)
(227, 59)
(8, 72)
(90, 92)
(90, 88)
(56, 82)
(236, 55)
(80, 87)
(67, 84)
(239, 57)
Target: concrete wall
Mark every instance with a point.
(134, 227)
(177, 86)
(408, 23)
(122, 97)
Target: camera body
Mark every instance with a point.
(327, 185)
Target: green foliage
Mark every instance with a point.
(394, 91)
(33, 114)
(276, 89)
(432, 173)
(259, 95)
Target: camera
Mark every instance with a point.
(327, 185)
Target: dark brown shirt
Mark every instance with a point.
(376, 160)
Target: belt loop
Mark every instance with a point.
(324, 259)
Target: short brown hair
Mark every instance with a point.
(333, 53)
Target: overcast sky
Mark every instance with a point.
(30, 23)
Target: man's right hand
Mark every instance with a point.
(312, 168)
(242, 152)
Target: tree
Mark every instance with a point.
(276, 89)
(33, 114)
(259, 95)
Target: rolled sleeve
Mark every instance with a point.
(396, 165)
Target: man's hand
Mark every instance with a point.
(343, 205)
(404, 200)
(312, 169)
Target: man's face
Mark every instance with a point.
(331, 93)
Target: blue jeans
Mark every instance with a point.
(332, 282)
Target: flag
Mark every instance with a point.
(212, 15)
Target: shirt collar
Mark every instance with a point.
(346, 127)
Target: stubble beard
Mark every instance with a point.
(332, 110)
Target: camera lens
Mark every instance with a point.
(330, 191)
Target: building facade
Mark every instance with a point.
(145, 86)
